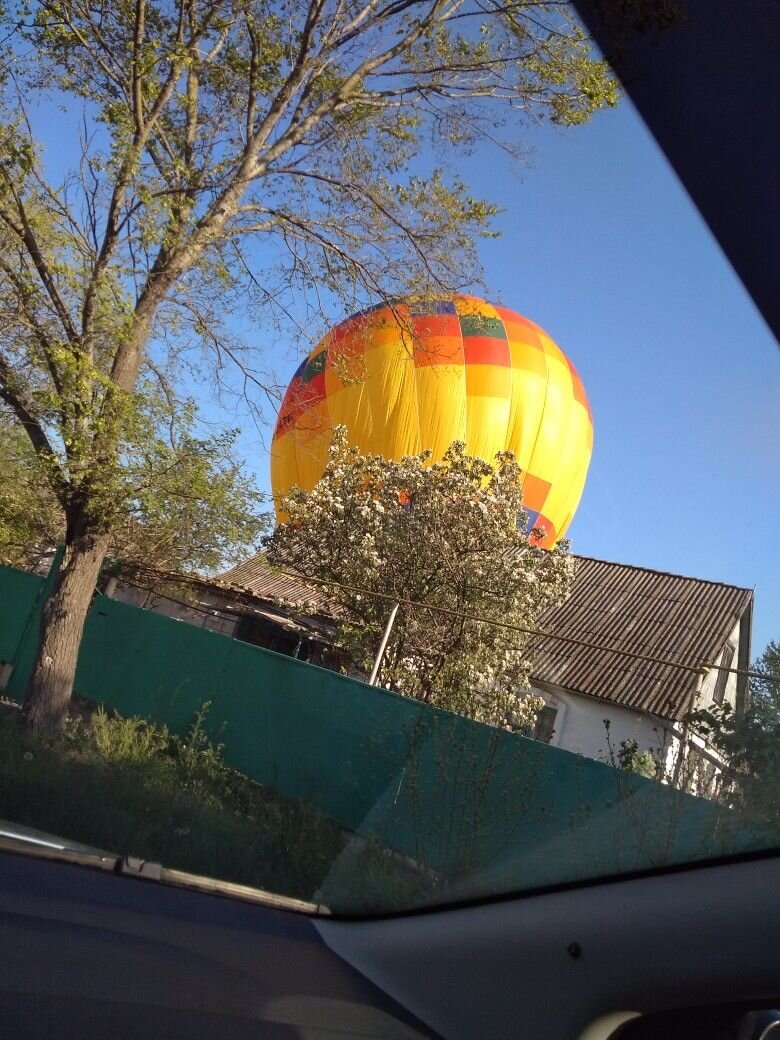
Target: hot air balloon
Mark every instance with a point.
(419, 375)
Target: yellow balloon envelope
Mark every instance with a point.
(421, 374)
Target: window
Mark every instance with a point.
(723, 675)
(545, 724)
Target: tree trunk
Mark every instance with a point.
(50, 686)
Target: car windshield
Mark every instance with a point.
(389, 454)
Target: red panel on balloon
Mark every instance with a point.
(436, 325)
(299, 398)
(484, 350)
(545, 533)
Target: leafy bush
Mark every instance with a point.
(125, 740)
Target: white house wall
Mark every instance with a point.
(579, 725)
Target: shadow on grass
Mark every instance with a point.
(132, 789)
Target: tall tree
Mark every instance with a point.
(222, 146)
(451, 535)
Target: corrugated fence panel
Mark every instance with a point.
(499, 812)
(312, 733)
(18, 595)
(308, 732)
(140, 663)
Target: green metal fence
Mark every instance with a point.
(20, 593)
(457, 796)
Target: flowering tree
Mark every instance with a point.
(450, 535)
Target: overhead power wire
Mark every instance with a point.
(697, 669)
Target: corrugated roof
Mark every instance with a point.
(635, 609)
(682, 620)
(256, 577)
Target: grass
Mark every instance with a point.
(131, 788)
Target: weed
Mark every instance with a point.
(118, 739)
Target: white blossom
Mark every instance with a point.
(444, 534)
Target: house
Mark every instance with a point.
(633, 646)
(639, 640)
(261, 607)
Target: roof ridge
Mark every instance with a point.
(577, 556)
(261, 553)
(666, 574)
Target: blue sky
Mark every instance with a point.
(602, 247)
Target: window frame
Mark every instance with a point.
(726, 661)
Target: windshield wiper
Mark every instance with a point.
(26, 841)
